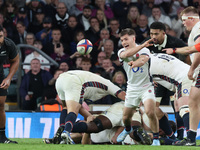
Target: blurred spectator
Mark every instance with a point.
(33, 55)
(45, 34)
(55, 77)
(55, 44)
(109, 48)
(114, 32)
(93, 34)
(5, 32)
(119, 79)
(33, 84)
(102, 19)
(29, 39)
(108, 67)
(101, 4)
(77, 63)
(21, 16)
(77, 8)
(61, 16)
(116, 63)
(19, 37)
(37, 24)
(157, 16)
(64, 66)
(86, 64)
(1, 20)
(84, 18)
(132, 17)
(32, 6)
(196, 4)
(59, 55)
(50, 8)
(175, 6)
(177, 24)
(10, 11)
(1, 5)
(120, 10)
(101, 56)
(49, 102)
(165, 4)
(79, 35)
(142, 30)
(170, 31)
(68, 34)
(147, 8)
(69, 3)
(104, 35)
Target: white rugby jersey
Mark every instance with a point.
(94, 87)
(168, 66)
(138, 77)
(194, 34)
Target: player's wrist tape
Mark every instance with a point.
(174, 50)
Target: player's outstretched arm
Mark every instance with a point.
(139, 62)
(132, 51)
(183, 50)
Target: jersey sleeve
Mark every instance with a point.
(113, 89)
(121, 50)
(144, 51)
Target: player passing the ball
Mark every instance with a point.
(140, 88)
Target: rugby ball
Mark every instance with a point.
(84, 47)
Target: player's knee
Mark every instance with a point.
(183, 110)
(150, 113)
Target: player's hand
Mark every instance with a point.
(148, 43)
(90, 118)
(168, 50)
(190, 74)
(5, 83)
(131, 63)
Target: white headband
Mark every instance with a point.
(189, 17)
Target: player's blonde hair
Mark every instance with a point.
(190, 9)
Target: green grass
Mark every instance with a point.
(37, 144)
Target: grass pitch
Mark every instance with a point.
(37, 144)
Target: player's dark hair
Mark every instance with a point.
(158, 25)
(128, 31)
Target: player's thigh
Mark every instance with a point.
(194, 95)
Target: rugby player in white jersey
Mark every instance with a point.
(140, 87)
(170, 72)
(190, 18)
(75, 86)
